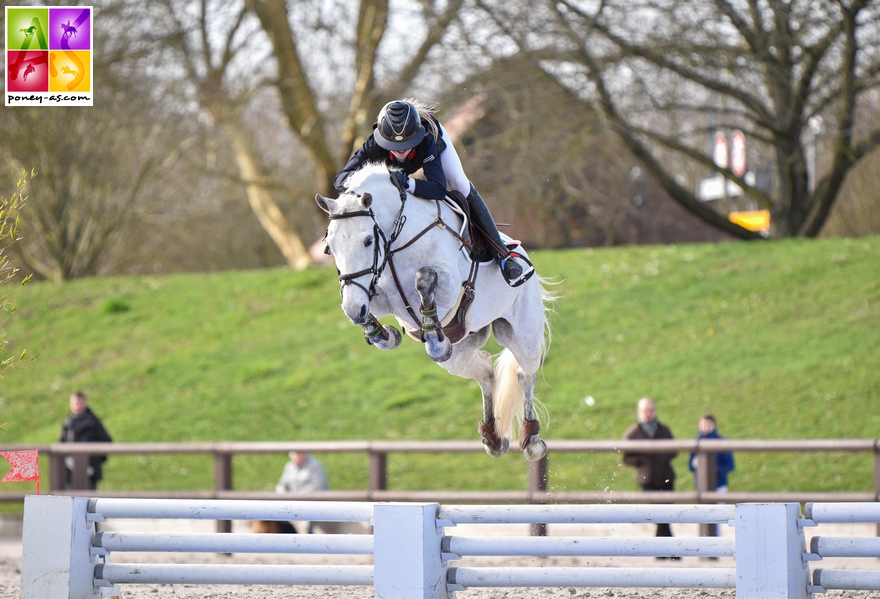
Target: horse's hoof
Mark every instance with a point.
(438, 351)
(501, 449)
(535, 449)
(393, 341)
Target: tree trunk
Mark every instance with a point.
(267, 211)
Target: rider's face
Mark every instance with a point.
(401, 154)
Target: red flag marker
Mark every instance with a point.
(25, 466)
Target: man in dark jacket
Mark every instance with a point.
(83, 426)
(654, 470)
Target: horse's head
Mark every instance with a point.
(357, 245)
(362, 225)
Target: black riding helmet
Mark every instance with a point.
(399, 127)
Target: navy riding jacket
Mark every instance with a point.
(425, 156)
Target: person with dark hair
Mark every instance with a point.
(724, 464)
(654, 470)
(83, 426)
(708, 429)
(408, 137)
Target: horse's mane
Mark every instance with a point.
(367, 173)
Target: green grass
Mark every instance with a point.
(778, 339)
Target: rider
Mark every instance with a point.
(408, 135)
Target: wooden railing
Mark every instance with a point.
(376, 488)
(377, 483)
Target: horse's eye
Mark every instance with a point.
(327, 250)
(368, 242)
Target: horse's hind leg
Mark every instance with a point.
(436, 344)
(530, 443)
(469, 361)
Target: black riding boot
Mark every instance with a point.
(481, 217)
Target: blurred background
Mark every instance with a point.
(584, 123)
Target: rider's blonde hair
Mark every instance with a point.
(426, 113)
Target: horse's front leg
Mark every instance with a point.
(436, 344)
(530, 443)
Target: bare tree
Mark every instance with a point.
(94, 170)
(9, 223)
(100, 168)
(543, 159)
(212, 43)
(345, 61)
(667, 73)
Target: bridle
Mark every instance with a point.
(383, 256)
(382, 251)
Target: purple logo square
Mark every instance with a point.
(70, 28)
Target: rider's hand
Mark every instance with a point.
(400, 180)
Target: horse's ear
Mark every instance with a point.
(323, 202)
(367, 200)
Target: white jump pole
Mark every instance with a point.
(234, 574)
(242, 509)
(845, 546)
(586, 514)
(590, 546)
(856, 580)
(238, 543)
(842, 513)
(594, 577)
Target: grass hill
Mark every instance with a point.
(778, 339)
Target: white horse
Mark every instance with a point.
(393, 251)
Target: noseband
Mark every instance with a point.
(378, 265)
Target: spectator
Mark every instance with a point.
(83, 426)
(708, 429)
(302, 474)
(654, 470)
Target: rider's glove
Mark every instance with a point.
(400, 180)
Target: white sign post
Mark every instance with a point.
(720, 153)
(738, 153)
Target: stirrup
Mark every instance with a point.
(524, 276)
(510, 269)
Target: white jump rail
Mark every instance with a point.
(63, 557)
(826, 579)
(457, 547)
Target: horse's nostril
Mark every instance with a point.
(363, 311)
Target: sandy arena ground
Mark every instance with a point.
(10, 565)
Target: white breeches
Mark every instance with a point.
(455, 177)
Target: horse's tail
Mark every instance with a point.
(507, 396)
(548, 298)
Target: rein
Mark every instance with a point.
(377, 268)
(387, 252)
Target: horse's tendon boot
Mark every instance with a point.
(529, 428)
(489, 436)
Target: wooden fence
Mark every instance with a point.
(377, 483)
(376, 488)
